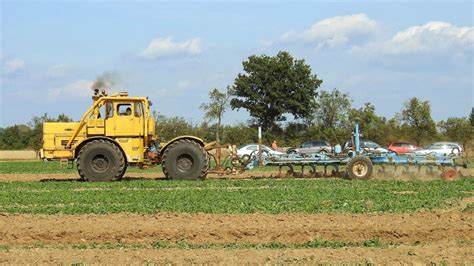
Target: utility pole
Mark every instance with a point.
(260, 163)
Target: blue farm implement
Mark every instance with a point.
(359, 163)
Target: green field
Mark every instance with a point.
(231, 196)
(53, 167)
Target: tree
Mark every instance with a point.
(294, 134)
(457, 129)
(15, 137)
(394, 131)
(168, 128)
(332, 109)
(272, 87)
(335, 135)
(239, 134)
(371, 125)
(214, 110)
(471, 118)
(416, 120)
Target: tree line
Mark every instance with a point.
(29, 136)
(413, 124)
(281, 95)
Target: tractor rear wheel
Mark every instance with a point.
(359, 167)
(101, 160)
(185, 159)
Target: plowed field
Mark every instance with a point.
(284, 221)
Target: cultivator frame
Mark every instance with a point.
(358, 163)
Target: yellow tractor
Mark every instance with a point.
(117, 131)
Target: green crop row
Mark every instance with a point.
(372, 243)
(231, 196)
(53, 167)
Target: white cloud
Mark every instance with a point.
(58, 71)
(335, 31)
(160, 48)
(430, 37)
(80, 88)
(14, 65)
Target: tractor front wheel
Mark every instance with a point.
(100, 161)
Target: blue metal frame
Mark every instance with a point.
(317, 159)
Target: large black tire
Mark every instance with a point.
(100, 161)
(185, 159)
(359, 167)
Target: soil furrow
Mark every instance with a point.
(425, 227)
(437, 253)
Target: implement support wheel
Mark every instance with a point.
(449, 175)
(359, 167)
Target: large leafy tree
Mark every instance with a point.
(215, 109)
(274, 86)
(417, 121)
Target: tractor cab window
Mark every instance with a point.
(124, 109)
(109, 110)
(101, 113)
(138, 109)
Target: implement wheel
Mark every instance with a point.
(359, 167)
(185, 159)
(449, 175)
(100, 161)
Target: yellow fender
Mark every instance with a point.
(166, 144)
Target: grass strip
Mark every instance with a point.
(232, 196)
(53, 167)
(371, 243)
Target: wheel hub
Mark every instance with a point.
(100, 163)
(359, 169)
(184, 163)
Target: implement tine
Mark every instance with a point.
(313, 171)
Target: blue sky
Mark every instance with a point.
(175, 52)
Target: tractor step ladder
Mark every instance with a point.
(66, 163)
